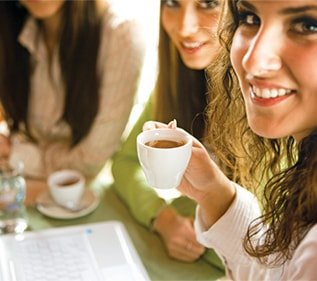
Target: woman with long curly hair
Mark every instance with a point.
(269, 128)
(69, 72)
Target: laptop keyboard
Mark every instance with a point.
(65, 258)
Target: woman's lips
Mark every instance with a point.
(191, 46)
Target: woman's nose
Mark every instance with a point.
(263, 57)
(188, 22)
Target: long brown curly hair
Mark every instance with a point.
(290, 195)
(78, 51)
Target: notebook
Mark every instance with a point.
(88, 252)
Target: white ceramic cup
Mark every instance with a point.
(164, 167)
(66, 187)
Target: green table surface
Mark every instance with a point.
(148, 244)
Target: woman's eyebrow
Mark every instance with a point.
(286, 11)
(246, 4)
(297, 10)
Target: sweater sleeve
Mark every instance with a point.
(227, 234)
(129, 180)
(226, 237)
(303, 263)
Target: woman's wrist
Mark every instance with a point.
(216, 203)
(164, 217)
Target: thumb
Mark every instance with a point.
(172, 124)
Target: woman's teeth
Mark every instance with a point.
(192, 45)
(270, 93)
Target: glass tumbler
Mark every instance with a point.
(12, 194)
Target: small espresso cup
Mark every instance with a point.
(164, 155)
(66, 187)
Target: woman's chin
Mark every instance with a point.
(266, 132)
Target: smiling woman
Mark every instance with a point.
(277, 104)
(270, 124)
(193, 35)
(187, 44)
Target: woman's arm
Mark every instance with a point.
(130, 182)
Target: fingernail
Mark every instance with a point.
(172, 124)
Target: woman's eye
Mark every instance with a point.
(170, 3)
(208, 4)
(305, 26)
(203, 4)
(248, 18)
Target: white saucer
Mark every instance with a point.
(46, 206)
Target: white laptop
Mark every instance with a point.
(89, 252)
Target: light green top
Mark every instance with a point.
(130, 182)
(131, 185)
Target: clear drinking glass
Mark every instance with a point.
(12, 194)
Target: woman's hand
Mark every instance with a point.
(203, 180)
(151, 125)
(5, 146)
(205, 183)
(178, 235)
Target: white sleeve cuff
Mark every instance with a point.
(227, 234)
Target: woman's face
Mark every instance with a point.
(192, 27)
(274, 54)
(42, 9)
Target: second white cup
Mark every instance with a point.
(164, 155)
(66, 187)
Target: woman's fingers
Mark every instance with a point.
(186, 251)
(151, 125)
(172, 124)
(180, 239)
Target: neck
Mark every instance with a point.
(51, 28)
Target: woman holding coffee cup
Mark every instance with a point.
(271, 123)
(69, 73)
(187, 44)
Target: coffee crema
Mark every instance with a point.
(165, 143)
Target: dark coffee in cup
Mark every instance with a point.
(68, 181)
(165, 143)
